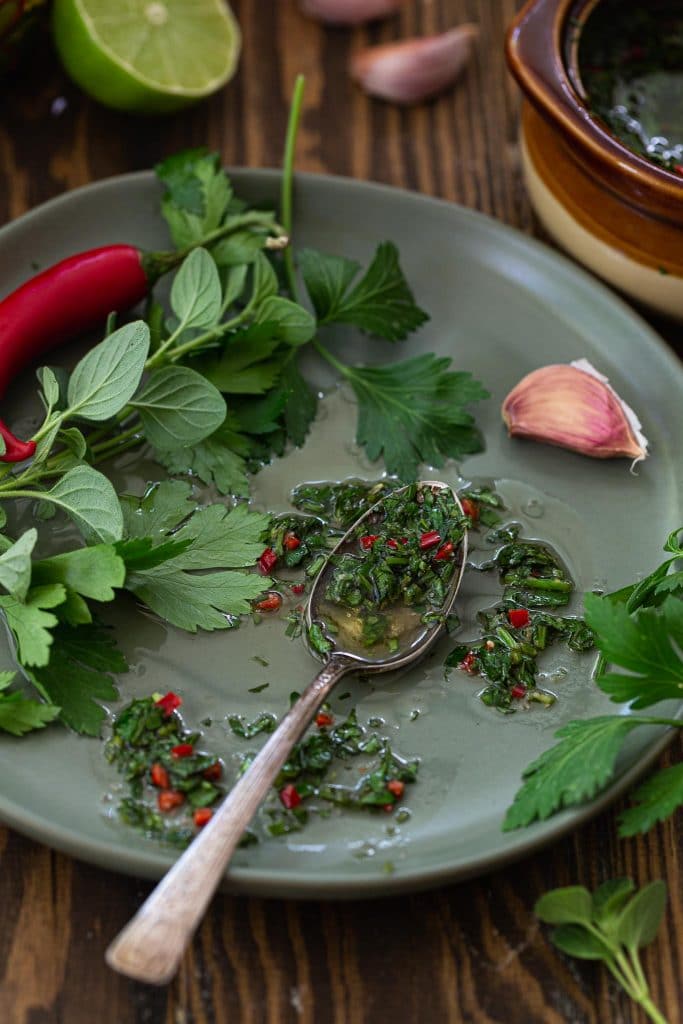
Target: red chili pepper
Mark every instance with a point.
(298, 588)
(468, 663)
(396, 787)
(391, 543)
(518, 617)
(678, 168)
(289, 796)
(169, 703)
(444, 552)
(159, 776)
(322, 719)
(182, 750)
(291, 541)
(269, 604)
(202, 816)
(169, 799)
(429, 540)
(267, 561)
(367, 541)
(213, 772)
(470, 508)
(518, 691)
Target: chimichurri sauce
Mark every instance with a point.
(631, 66)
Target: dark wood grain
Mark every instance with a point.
(467, 953)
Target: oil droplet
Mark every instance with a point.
(534, 508)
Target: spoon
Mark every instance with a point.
(152, 944)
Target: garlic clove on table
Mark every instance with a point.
(349, 12)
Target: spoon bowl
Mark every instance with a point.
(152, 944)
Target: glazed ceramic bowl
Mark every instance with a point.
(613, 210)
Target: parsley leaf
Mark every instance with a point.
(655, 800)
(214, 460)
(31, 623)
(218, 538)
(646, 643)
(198, 194)
(78, 674)
(244, 365)
(413, 412)
(302, 403)
(381, 303)
(572, 771)
(92, 572)
(18, 715)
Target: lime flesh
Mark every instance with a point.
(147, 56)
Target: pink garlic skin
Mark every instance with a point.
(415, 69)
(574, 408)
(349, 12)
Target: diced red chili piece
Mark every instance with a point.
(322, 719)
(391, 543)
(518, 617)
(396, 787)
(368, 540)
(470, 508)
(159, 776)
(298, 588)
(388, 808)
(291, 542)
(202, 816)
(518, 691)
(678, 168)
(468, 663)
(169, 799)
(429, 540)
(269, 604)
(213, 772)
(289, 796)
(182, 750)
(444, 552)
(267, 562)
(169, 703)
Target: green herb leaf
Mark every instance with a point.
(655, 800)
(413, 412)
(191, 601)
(18, 715)
(263, 281)
(213, 460)
(295, 324)
(302, 403)
(244, 365)
(79, 674)
(141, 552)
(31, 623)
(610, 897)
(221, 538)
(108, 375)
(570, 905)
(50, 385)
(197, 196)
(196, 294)
(640, 919)
(646, 643)
(88, 498)
(381, 303)
(178, 406)
(15, 565)
(575, 940)
(94, 572)
(572, 771)
(160, 509)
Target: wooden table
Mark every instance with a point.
(469, 952)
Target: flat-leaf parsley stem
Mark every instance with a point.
(288, 179)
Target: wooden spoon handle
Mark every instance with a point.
(152, 944)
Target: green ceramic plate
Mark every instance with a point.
(501, 305)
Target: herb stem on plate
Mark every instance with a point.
(286, 198)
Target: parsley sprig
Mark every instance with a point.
(639, 633)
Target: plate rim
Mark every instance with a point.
(299, 884)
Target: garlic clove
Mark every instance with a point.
(574, 406)
(349, 12)
(415, 69)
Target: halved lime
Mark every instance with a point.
(148, 56)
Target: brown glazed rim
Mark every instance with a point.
(534, 48)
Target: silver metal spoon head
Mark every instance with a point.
(415, 641)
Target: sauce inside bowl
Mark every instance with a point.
(630, 63)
